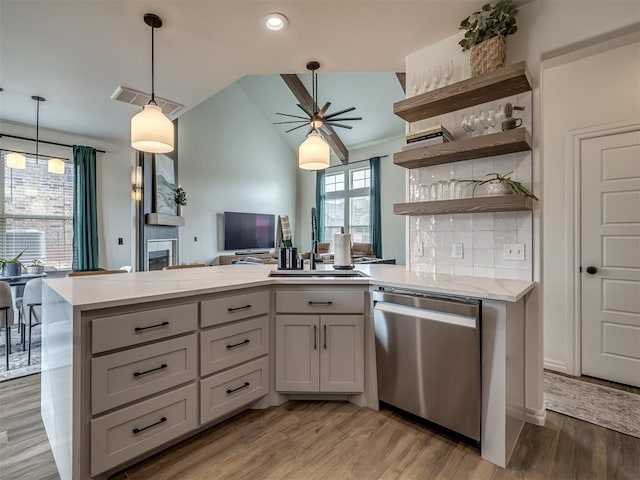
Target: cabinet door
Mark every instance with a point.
(342, 353)
(297, 353)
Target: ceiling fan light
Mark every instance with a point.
(152, 131)
(55, 165)
(276, 22)
(314, 153)
(316, 123)
(16, 160)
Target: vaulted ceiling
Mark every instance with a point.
(76, 53)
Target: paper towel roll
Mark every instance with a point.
(342, 249)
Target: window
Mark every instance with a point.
(37, 213)
(347, 208)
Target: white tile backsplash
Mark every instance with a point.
(483, 239)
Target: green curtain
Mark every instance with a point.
(375, 215)
(320, 203)
(85, 209)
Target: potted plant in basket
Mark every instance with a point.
(36, 267)
(501, 185)
(485, 32)
(11, 267)
(180, 199)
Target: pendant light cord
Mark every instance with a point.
(37, 128)
(153, 63)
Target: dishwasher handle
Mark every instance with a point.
(466, 308)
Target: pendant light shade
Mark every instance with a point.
(56, 166)
(151, 130)
(16, 160)
(314, 153)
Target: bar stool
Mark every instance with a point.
(31, 310)
(6, 317)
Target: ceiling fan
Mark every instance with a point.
(318, 120)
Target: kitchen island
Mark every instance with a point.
(134, 363)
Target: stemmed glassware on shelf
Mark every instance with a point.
(447, 70)
(436, 73)
(470, 123)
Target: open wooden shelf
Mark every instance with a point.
(505, 82)
(164, 219)
(501, 203)
(511, 141)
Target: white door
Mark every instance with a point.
(342, 353)
(297, 353)
(611, 257)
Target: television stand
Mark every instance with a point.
(251, 252)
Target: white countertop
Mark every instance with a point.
(101, 291)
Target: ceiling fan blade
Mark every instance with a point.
(340, 125)
(294, 116)
(339, 113)
(325, 131)
(324, 109)
(295, 128)
(292, 121)
(305, 110)
(344, 119)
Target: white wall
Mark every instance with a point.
(599, 89)
(391, 191)
(546, 29)
(113, 176)
(230, 159)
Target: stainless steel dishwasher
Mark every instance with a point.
(428, 357)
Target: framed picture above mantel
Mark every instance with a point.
(164, 185)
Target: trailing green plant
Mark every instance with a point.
(180, 196)
(491, 21)
(16, 259)
(36, 262)
(517, 187)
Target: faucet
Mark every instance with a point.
(314, 239)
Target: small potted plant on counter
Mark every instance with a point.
(485, 32)
(500, 185)
(11, 267)
(36, 267)
(180, 199)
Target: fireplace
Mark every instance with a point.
(160, 253)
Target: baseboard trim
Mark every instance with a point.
(556, 366)
(536, 417)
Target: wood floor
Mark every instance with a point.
(330, 440)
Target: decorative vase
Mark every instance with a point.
(498, 189)
(35, 269)
(179, 209)
(11, 270)
(488, 56)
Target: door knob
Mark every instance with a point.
(592, 270)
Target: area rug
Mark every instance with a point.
(610, 408)
(18, 358)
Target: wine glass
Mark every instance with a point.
(448, 71)
(416, 83)
(472, 123)
(426, 80)
(492, 119)
(436, 73)
(482, 120)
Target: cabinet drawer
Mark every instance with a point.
(230, 345)
(133, 328)
(233, 389)
(320, 301)
(132, 431)
(235, 307)
(126, 376)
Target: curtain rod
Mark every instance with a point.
(353, 163)
(32, 154)
(42, 141)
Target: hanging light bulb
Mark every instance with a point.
(56, 166)
(314, 153)
(151, 130)
(16, 160)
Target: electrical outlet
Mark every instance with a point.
(417, 248)
(457, 250)
(120, 241)
(513, 251)
(195, 239)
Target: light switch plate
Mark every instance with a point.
(417, 248)
(514, 251)
(457, 250)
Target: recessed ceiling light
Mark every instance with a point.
(276, 22)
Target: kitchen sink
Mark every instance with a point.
(317, 273)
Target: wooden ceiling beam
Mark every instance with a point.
(304, 98)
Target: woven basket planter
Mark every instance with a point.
(488, 56)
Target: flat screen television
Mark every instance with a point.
(249, 231)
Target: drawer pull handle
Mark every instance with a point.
(234, 390)
(237, 309)
(138, 430)
(325, 336)
(315, 337)
(236, 345)
(137, 374)
(142, 329)
(320, 303)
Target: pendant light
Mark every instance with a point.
(16, 160)
(38, 100)
(314, 153)
(56, 166)
(151, 130)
